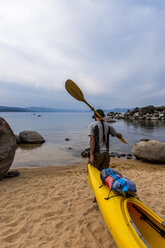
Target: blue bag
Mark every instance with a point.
(116, 182)
(106, 172)
(124, 186)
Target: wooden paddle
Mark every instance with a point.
(76, 92)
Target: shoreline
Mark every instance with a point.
(76, 164)
(60, 167)
(53, 206)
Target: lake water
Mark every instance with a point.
(55, 127)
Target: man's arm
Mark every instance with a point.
(114, 133)
(92, 147)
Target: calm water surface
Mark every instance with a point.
(55, 127)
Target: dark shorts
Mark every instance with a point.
(101, 160)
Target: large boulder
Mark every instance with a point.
(151, 151)
(7, 147)
(147, 109)
(31, 137)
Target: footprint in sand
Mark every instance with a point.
(163, 212)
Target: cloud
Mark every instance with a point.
(105, 46)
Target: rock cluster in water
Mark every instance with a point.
(86, 154)
(145, 113)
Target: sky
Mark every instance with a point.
(112, 49)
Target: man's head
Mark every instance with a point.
(100, 111)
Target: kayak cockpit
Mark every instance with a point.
(147, 225)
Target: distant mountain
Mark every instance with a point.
(118, 110)
(36, 109)
(43, 109)
(12, 109)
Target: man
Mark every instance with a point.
(99, 132)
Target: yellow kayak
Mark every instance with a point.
(130, 222)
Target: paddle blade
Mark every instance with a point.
(74, 90)
(123, 140)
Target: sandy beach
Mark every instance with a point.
(52, 206)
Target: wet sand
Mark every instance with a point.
(52, 206)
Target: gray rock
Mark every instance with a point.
(151, 151)
(8, 147)
(31, 137)
(134, 111)
(122, 155)
(18, 139)
(136, 115)
(121, 116)
(86, 153)
(128, 112)
(109, 119)
(118, 156)
(142, 118)
(160, 108)
(154, 118)
(110, 113)
(144, 139)
(117, 116)
(112, 155)
(129, 154)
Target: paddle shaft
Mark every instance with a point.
(96, 113)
